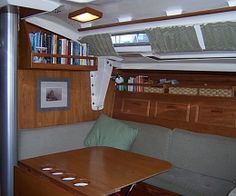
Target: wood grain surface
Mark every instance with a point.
(79, 99)
(107, 170)
(212, 115)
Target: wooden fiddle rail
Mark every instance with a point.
(69, 67)
(63, 67)
(64, 56)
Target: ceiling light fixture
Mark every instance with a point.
(231, 3)
(173, 12)
(85, 14)
(125, 18)
(81, 1)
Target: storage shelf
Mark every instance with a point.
(27, 61)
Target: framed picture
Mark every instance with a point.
(53, 94)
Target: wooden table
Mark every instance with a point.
(144, 189)
(106, 170)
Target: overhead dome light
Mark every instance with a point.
(232, 3)
(125, 18)
(85, 15)
(81, 1)
(173, 12)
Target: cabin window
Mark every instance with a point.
(130, 39)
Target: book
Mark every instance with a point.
(49, 43)
(76, 50)
(54, 48)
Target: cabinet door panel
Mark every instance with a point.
(216, 115)
(136, 106)
(172, 111)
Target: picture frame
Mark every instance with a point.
(53, 94)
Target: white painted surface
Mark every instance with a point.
(218, 65)
(199, 36)
(210, 18)
(46, 5)
(139, 9)
(231, 3)
(173, 12)
(99, 82)
(55, 25)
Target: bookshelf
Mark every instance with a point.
(45, 50)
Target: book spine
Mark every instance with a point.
(76, 53)
(31, 37)
(59, 51)
(71, 51)
(81, 53)
(131, 81)
(49, 47)
(67, 51)
(84, 53)
(54, 46)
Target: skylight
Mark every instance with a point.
(130, 39)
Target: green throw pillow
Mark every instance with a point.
(111, 132)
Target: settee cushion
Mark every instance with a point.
(45, 140)
(204, 153)
(189, 183)
(152, 140)
(111, 132)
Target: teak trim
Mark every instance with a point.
(25, 12)
(161, 18)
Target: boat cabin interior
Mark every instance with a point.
(154, 79)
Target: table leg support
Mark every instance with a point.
(130, 189)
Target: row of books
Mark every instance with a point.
(134, 84)
(49, 43)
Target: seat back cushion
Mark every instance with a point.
(207, 154)
(111, 132)
(46, 140)
(152, 140)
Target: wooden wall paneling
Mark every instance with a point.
(216, 115)
(80, 101)
(24, 40)
(172, 110)
(127, 107)
(109, 100)
(134, 106)
(201, 114)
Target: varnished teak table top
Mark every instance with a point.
(107, 169)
